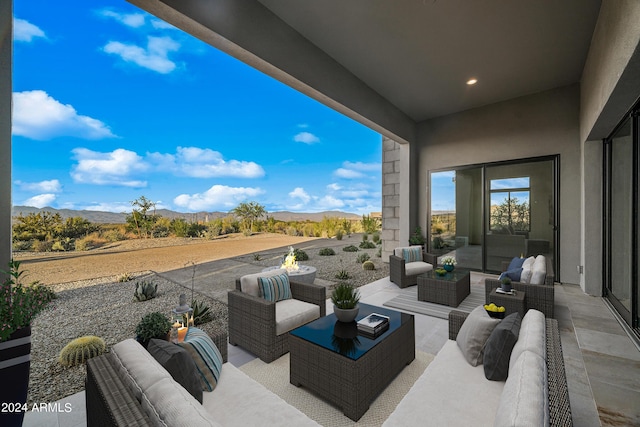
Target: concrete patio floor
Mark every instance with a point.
(601, 361)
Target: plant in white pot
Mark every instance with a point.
(345, 302)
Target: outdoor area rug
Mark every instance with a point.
(408, 300)
(275, 377)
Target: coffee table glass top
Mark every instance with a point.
(457, 274)
(343, 338)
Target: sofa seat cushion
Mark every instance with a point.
(532, 336)
(240, 401)
(450, 392)
(525, 399)
(415, 268)
(168, 404)
(136, 366)
(249, 282)
(292, 313)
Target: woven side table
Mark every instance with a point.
(450, 289)
(511, 303)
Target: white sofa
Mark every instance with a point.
(128, 387)
(451, 392)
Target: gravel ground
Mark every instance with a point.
(105, 307)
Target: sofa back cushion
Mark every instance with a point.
(525, 398)
(532, 336)
(179, 364)
(474, 333)
(249, 282)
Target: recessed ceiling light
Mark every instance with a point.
(472, 81)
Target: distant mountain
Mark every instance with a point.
(120, 218)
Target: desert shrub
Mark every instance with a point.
(326, 252)
(362, 258)
(368, 265)
(309, 230)
(300, 255)
(212, 231)
(247, 232)
(339, 234)
(62, 245)
(77, 227)
(86, 243)
(114, 235)
(350, 248)
(22, 245)
(257, 257)
(80, 350)
(292, 231)
(201, 312)
(342, 275)
(379, 252)
(42, 246)
(367, 245)
(152, 325)
(145, 291)
(375, 237)
(180, 227)
(125, 277)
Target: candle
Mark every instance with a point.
(182, 332)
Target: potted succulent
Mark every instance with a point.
(448, 263)
(345, 302)
(152, 325)
(18, 306)
(506, 284)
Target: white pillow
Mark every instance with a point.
(525, 276)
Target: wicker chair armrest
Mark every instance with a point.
(396, 260)
(456, 319)
(259, 309)
(430, 258)
(310, 293)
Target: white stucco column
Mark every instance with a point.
(6, 42)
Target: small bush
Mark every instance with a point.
(63, 245)
(247, 232)
(300, 255)
(362, 258)
(379, 252)
(125, 277)
(339, 234)
(365, 237)
(368, 265)
(326, 252)
(367, 245)
(211, 232)
(350, 248)
(342, 275)
(42, 246)
(80, 350)
(145, 291)
(87, 243)
(152, 325)
(257, 257)
(376, 237)
(115, 235)
(201, 312)
(22, 245)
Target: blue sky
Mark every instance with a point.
(110, 103)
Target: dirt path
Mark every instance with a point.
(139, 255)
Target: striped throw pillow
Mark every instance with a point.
(275, 288)
(205, 353)
(412, 254)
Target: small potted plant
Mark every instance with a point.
(506, 284)
(152, 325)
(345, 302)
(449, 263)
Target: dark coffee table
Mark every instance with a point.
(450, 289)
(349, 370)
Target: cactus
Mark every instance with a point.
(145, 291)
(201, 312)
(80, 350)
(368, 265)
(362, 258)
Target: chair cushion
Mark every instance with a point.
(497, 350)
(524, 400)
(516, 263)
(275, 288)
(474, 333)
(206, 356)
(249, 282)
(532, 336)
(412, 254)
(292, 313)
(179, 364)
(418, 267)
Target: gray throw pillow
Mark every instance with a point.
(179, 364)
(474, 333)
(497, 351)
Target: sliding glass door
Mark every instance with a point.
(487, 214)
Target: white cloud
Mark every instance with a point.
(204, 163)
(299, 193)
(117, 207)
(334, 187)
(216, 197)
(303, 125)
(41, 200)
(111, 168)
(329, 202)
(37, 115)
(25, 31)
(154, 57)
(355, 170)
(306, 137)
(159, 24)
(50, 186)
(133, 20)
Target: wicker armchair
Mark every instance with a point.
(252, 320)
(539, 297)
(398, 273)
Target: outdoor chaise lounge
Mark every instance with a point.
(407, 263)
(262, 326)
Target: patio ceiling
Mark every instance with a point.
(392, 64)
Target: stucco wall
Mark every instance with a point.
(532, 126)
